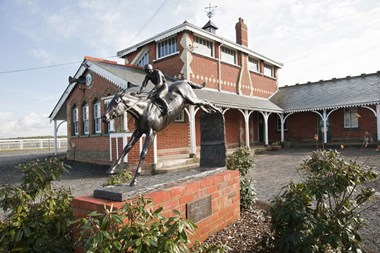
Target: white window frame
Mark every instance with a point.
(167, 47)
(254, 64)
(180, 117)
(228, 55)
(203, 46)
(144, 60)
(97, 118)
(111, 124)
(351, 119)
(75, 121)
(85, 117)
(269, 70)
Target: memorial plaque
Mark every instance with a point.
(199, 209)
(213, 144)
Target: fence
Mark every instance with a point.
(21, 144)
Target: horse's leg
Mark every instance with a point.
(134, 138)
(148, 140)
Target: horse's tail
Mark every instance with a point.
(196, 86)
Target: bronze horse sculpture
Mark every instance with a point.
(148, 118)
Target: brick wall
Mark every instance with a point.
(224, 189)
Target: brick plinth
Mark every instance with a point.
(223, 188)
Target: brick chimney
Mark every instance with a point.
(241, 33)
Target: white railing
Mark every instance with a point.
(20, 144)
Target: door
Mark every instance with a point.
(320, 129)
(261, 128)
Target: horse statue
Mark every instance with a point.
(148, 118)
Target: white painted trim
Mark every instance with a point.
(186, 26)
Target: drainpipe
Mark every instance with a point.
(219, 67)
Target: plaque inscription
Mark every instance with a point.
(199, 209)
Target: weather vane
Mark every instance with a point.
(210, 10)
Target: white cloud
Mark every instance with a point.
(41, 54)
(32, 124)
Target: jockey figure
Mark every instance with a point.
(158, 93)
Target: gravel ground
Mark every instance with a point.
(272, 171)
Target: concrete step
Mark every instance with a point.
(175, 163)
(178, 168)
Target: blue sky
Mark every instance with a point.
(314, 39)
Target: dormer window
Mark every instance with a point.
(269, 70)
(253, 64)
(166, 47)
(203, 46)
(228, 55)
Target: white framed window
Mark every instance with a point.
(144, 60)
(97, 118)
(180, 117)
(85, 119)
(268, 70)
(253, 64)
(111, 124)
(75, 121)
(228, 55)
(203, 46)
(167, 47)
(350, 118)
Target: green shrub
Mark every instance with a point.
(242, 160)
(210, 248)
(145, 230)
(37, 218)
(121, 178)
(322, 214)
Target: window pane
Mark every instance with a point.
(228, 55)
(268, 70)
(75, 121)
(167, 47)
(85, 119)
(97, 120)
(253, 64)
(350, 118)
(144, 60)
(202, 46)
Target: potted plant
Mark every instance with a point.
(275, 146)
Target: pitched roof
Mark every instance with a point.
(335, 93)
(230, 100)
(131, 77)
(123, 76)
(186, 26)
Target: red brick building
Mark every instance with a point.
(239, 80)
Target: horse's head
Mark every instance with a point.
(115, 108)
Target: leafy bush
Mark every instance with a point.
(242, 160)
(323, 213)
(210, 248)
(37, 218)
(121, 178)
(145, 230)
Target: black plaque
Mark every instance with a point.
(199, 209)
(213, 144)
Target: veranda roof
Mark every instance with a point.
(230, 100)
(354, 91)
